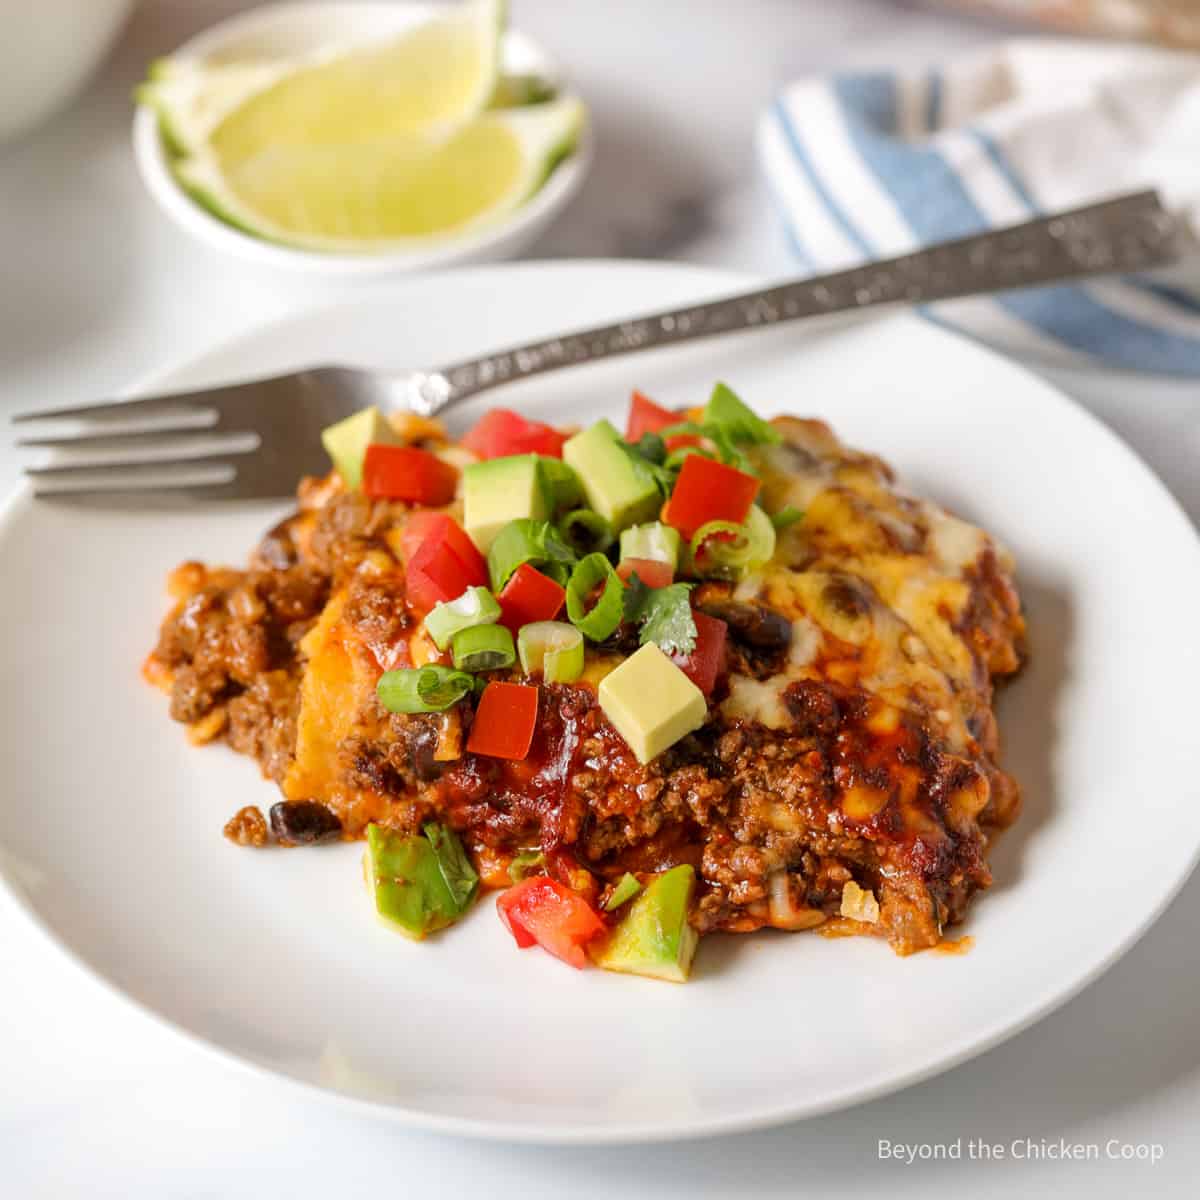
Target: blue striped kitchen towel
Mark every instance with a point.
(870, 165)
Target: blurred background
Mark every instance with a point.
(1169, 21)
(100, 287)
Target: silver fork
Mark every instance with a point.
(256, 439)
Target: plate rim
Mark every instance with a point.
(747, 1119)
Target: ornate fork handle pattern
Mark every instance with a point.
(1132, 233)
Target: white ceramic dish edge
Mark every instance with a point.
(768, 1115)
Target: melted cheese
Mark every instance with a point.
(877, 585)
(329, 698)
(758, 700)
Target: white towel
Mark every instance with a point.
(872, 165)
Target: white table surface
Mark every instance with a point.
(96, 288)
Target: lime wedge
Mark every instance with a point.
(434, 76)
(191, 98)
(361, 196)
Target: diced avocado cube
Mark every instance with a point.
(654, 541)
(654, 937)
(560, 483)
(407, 883)
(614, 486)
(347, 441)
(498, 491)
(651, 702)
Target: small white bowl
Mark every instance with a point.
(295, 29)
(49, 53)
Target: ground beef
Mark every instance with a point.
(247, 827)
(262, 721)
(232, 640)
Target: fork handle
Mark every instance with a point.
(1130, 233)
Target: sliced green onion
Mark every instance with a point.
(552, 647)
(655, 540)
(752, 545)
(676, 457)
(625, 890)
(526, 541)
(740, 423)
(786, 516)
(586, 531)
(476, 606)
(527, 863)
(599, 621)
(483, 648)
(453, 863)
(560, 484)
(422, 689)
(560, 572)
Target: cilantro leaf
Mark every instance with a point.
(452, 861)
(665, 615)
(648, 468)
(528, 541)
(651, 446)
(739, 422)
(635, 598)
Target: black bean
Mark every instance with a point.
(754, 624)
(304, 822)
(422, 746)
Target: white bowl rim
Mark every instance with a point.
(151, 159)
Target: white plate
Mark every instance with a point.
(110, 824)
(285, 30)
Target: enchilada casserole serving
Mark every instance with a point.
(710, 673)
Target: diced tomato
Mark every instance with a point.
(436, 573)
(544, 911)
(708, 491)
(505, 720)
(647, 417)
(529, 596)
(407, 473)
(503, 432)
(650, 571)
(438, 527)
(706, 662)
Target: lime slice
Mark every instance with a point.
(366, 196)
(434, 76)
